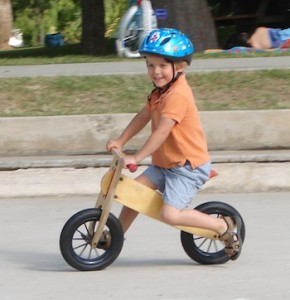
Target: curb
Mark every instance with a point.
(99, 161)
(88, 134)
(57, 182)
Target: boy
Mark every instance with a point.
(180, 160)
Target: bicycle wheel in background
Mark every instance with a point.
(137, 22)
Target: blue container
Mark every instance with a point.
(161, 13)
(53, 40)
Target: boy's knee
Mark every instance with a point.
(169, 215)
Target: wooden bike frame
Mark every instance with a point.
(117, 187)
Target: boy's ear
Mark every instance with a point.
(179, 67)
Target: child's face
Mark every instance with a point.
(160, 71)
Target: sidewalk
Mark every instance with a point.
(55, 176)
(57, 182)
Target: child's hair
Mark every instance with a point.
(180, 63)
(237, 40)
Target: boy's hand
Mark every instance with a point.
(129, 160)
(113, 144)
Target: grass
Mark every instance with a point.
(53, 55)
(73, 95)
(127, 94)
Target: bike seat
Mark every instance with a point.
(213, 174)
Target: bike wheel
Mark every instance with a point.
(207, 251)
(75, 241)
(148, 20)
(134, 26)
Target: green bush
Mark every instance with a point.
(36, 18)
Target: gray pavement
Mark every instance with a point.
(138, 67)
(152, 264)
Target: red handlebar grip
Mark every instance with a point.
(132, 168)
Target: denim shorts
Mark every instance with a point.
(178, 185)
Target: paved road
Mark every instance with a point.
(152, 264)
(138, 67)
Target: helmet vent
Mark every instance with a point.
(165, 41)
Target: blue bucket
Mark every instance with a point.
(53, 40)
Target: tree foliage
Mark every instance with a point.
(36, 18)
(113, 13)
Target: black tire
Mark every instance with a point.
(207, 251)
(75, 241)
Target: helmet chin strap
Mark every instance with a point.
(168, 85)
(165, 88)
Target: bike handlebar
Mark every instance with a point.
(132, 167)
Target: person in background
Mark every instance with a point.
(262, 38)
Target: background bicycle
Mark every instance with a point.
(136, 23)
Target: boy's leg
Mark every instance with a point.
(128, 215)
(224, 226)
(191, 218)
(182, 184)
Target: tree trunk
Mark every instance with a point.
(6, 23)
(93, 27)
(193, 18)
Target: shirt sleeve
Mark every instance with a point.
(174, 107)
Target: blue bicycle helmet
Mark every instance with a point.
(168, 43)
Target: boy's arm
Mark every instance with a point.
(153, 142)
(156, 139)
(140, 120)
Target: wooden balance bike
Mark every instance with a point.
(80, 236)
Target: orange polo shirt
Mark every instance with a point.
(186, 141)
